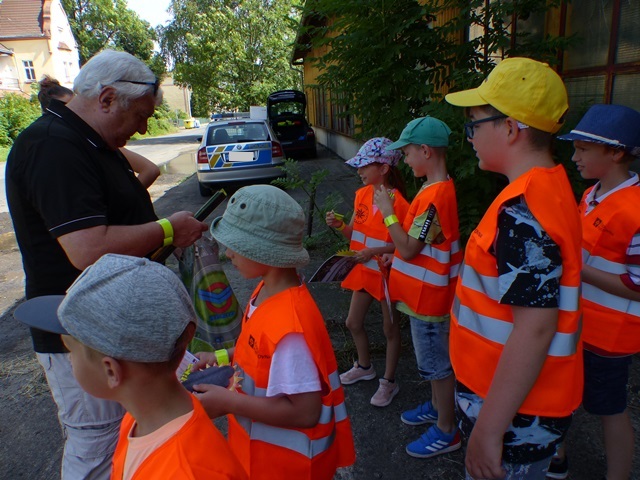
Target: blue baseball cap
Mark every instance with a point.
(616, 126)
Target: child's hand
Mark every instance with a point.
(382, 201)
(333, 220)
(387, 258)
(215, 400)
(364, 255)
(205, 359)
(483, 457)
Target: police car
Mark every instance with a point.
(237, 151)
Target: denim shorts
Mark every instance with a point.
(605, 384)
(431, 346)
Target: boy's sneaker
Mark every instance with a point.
(424, 413)
(386, 391)
(357, 373)
(558, 468)
(434, 442)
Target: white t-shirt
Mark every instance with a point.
(292, 367)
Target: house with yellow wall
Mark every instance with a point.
(35, 39)
(602, 67)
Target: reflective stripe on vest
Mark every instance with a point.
(498, 331)
(368, 241)
(286, 438)
(603, 264)
(419, 273)
(568, 300)
(605, 299)
(442, 256)
(337, 412)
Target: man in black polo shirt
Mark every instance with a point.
(74, 197)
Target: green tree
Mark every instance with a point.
(100, 24)
(389, 62)
(233, 53)
(16, 114)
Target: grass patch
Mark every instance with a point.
(27, 373)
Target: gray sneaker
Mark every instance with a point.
(357, 373)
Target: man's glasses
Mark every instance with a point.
(469, 127)
(156, 84)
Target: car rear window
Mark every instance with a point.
(238, 133)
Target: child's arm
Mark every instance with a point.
(609, 282)
(301, 410)
(518, 368)
(147, 170)
(407, 246)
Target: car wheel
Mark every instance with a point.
(204, 190)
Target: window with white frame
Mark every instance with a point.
(29, 71)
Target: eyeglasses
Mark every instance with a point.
(468, 127)
(156, 84)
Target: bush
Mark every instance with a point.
(4, 153)
(160, 123)
(16, 114)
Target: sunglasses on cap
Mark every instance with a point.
(156, 84)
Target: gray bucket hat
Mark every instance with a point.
(263, 224)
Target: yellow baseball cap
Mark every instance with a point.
(522, 88)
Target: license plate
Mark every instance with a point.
(241, 156)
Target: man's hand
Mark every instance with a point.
(186, 229)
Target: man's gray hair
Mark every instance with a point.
(112, 68)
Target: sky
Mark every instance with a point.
(153, 11)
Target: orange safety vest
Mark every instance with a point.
(481, 325)
(369, 231)
(426, 283)
(198, 451)
(611, 323)
(269, 452)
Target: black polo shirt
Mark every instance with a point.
(61, 177)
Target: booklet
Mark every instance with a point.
(335, 268)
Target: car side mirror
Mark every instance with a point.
(198, 139)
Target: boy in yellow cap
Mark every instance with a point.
(515, 318)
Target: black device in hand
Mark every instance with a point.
(220, 376)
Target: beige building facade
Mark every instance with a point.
(35, 40)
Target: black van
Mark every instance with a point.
(286, 114)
